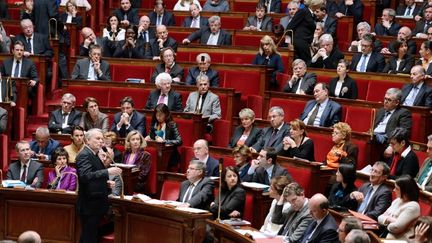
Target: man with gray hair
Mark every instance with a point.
(197, 190)
(417, 93)
(43, 146)
(347, 224)
(328, 55)
(204, 61)
(211, 36)
(424, 177)
(404, 35)
(62, 119)
(388, 26)
(301, 82)
(34, 43)
(216, 6)
(164, 94)
(357, 236)
(369, 60)
(362, 29)
(195, 20)
(29, 237)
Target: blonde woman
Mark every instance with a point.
(270, 57)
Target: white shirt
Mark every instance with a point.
(338, 87)
(19, 68)
(321, 109)
(91, 72)
(383, 124)
(213, 39)
(361, 61)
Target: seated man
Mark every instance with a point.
(126, 14)
(424, 178)
(327, 56)
(321, 111)
(128, 119)
(356, 236)
(297, 219)
(145, 33)
(346, 225)
(164, 94)
(418, 93)
(387, 26)
(211, 36)
(272, 136)
(63, 119)
(77, 144)
(259, 22)
(369, 60)
(201, 153)
(300, 82)
(329, 22)
(90, 39)
(159, 16)
(292, 9)
(404, 35)
(34, 43)
(197, 190)
(5, 41)
(265, 168)
(408, 10)
(272, 6)
(216, 6)
(161, 42)
(422, 26)
(92, 68)
(363, 28)
(29, 236)
(195, 20)
(204, 62)
(3, 120)
(43, 146)
(26, 170)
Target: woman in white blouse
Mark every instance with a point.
(343, 86)
(183, 5)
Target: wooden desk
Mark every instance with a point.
(136, 221)
(225, 233)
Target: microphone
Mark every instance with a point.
(220, 188)
(105, 149)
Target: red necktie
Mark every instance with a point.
(395, 161)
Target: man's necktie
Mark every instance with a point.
(188, 193)
(16, 71)
(273, 137)
(64, 115)
(159, 20)
(408, 11)
(363, 64)
(161, 99)
(313, 115)
(29, 44)
(365, 202)
(23, 176)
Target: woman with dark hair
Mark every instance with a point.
(130, 47)
(340, 193)
(403, 211)
(343, 86)
(93, 118)
(242, 157)
(112, 31)
(297, 144)
(401, 61)
(343, 151)
(426, 57)
(63, 177)
(404, 161)
(233, 196)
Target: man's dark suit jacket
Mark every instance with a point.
(48, 150)
(137, 52)
(132, 15)
(28, 69)
(376, 62)
(261, 176)
(275, 5)
(151, 35)
(400, 10)
(424, 95)
(175, 72)
(404, 67)
(331, 115)
(303, 26)
(202, 194)
(230, 200)
(325, 232)
(382, 31)
(355, 10)
(330, 62)
(174, 100)
(212, 167)
(330, 26)
(55, 121)
(102, 42)
(254, 134)
(307, 84)
(34, 170)
(194, 72)
(41, 45)
(407, 165)
(204, 34)
(379, 201)
(167, 18)
(412, 47)
(138, 122)
(203, 22)
(4, 13)
(81, 70)
(401, 117)
(264, 138)
(154, 50)
(419, 28)
(44, 10)
(92, 177)
(348, 83)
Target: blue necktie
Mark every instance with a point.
(363, 64)
(364, 204)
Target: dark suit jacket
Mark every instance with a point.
(154, 50)
(254, 134)
(174, 100)
(340, 196)
(132, 15)
(48, 150)
(194, 72)
(330, 62)
(424, 95)
(401, 117)
(175, 72)
(348, 83)
(77, 19)
(392, 31)
(34, 170)
(376, 62)
(266, 24)
(356, 10)
(28, 69)
(264, 138)
(4, 13)
(202, 194)
(81, 70)
(44, 10)
(138, 122)
(203, 22)
(325, 232)
(408, 165)
(93, 191)
(167, 18)
(55, 121)
(102, 42)
(404, 67)
(428, 185)
(379, 201)
(303, 25)
(412, 47)
(204, 34)
(331, 115)
(275, 5)
(307, 84)
(230, 200)
(137, 52)
(330, 26)
(261, 176)
(419, 28)
(41, 44)
(400, 10)
(212, 167)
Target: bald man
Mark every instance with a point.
(161, 41)
(145, 34)
(201, 152)
(29, 237)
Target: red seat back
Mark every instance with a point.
(170, 190)
(221, 133)
(186, 154)
(248, 213)
(151, 185)
(301, 176)
(359, 118)
(292, 108)
(82, 92)
(323, 143)
(139, 96)
(377, 90)
(419, 124)
(421, 155)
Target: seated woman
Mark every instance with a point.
(79, 3)
(403, 211)
(242, 157)
(130, 47)
(319, 31)
(232, 196)
(113, 31)
(400, 62)
(403, 161)
(93, 118)
(136, 155)
(71, 14)
(343, 86)
(422, 230)
(168, 65)
(247, 133)
(270, 57)
(298, 144)
(343, 151)
(183, 5)
(340, 193)
(110, 139)
(277, 186)
(63, 176)
(164, 129)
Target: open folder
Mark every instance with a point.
(368, 223)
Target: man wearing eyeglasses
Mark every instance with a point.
(368, 60)
(65, 118)
(423, 25)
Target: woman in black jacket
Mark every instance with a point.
(343, 86)
(340, 192)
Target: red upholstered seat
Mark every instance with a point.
(323, 143)
(179, 36)
(246, 40)
(282, 79)
(362, 88)
(425, 207)
(246, 82)
(417, 133)
(183, 57)
(359, 118)
(301, 176)
(244, 6)
(122, 72)
(185, 127)
(256, 103)
(248, 212)
(363, 154)
(4, 151)
(232, 22)
(138, 95)
(377, 90)
(170, 190)
(421, 155)
(186, 155)
(151, 185)
(46, 171)
(292, 108)
(82, 92)
(228, 161)
(238, 58)
(221, 133)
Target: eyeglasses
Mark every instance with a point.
(389, 100)
(429, 33)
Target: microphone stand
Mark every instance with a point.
(220, 188)
(283, 37)
(120, 176)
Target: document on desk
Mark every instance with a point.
(122, 165)
(255, 185)
(13, 183)
(191, 210)
(255, 234)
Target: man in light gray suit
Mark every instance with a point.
(100, 69)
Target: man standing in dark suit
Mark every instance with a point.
(324, 226)
(329, 22)
(273, 136)
(201, 153)
(211, 36)
(161, 17)
(388, 26)
(128, 119)
(410, 9)
(424, 177)
(93, 192)
(264, 168)
(204, 62)
(423, 25)
(197, 190)
(195, 20)
(328, 55)
(300, 82)
(368, 60)
(34, 43)
(43, 146)
(164, 94)
(43, 11)
(26, 170)
(126, 14)
(92, 68)
(321, 111)
(162, 41)
(63, 119)
(374, 197)
(418, 93)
